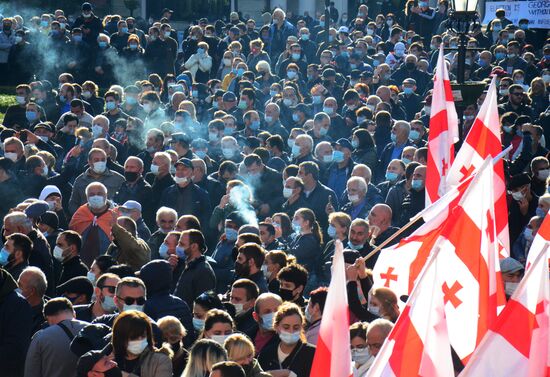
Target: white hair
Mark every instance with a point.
(360, 182)
(308, 139)
(403, 124)
(381, 324)
(37, 279)
(166, 211)
(19, 219)
(96, 184)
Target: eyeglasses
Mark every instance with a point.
(133, 300)
(110, 288)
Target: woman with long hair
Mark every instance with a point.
(241, 350)
(134, 349)
(306, 245)
(203, 355)
(290, 351)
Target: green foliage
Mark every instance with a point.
(5, 102)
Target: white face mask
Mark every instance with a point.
(239, 308)
(360, 355)
(510, 288)
(220, 339)
(518, 195)
(287, 192)
(100, 166)
(96, 201)
(374, 310)
(136, 347)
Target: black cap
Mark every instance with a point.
(203, 20)
(167, 10)
(37, 209)
(92, 337)
(344, 143)
(301, 107)
(79, 285)
(329, 72)
(355, 74)
(7, 132)
(185, 162)
(87, 361)
(47, 126)
(518, 181)
(229, 97)
(50, 218)
(86, 6)
(236, 218)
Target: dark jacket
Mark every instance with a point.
(299, 361)
(157, 276)
(71, 269)
(317, 202)
(197, 277)
(140, 191)
(414, 202)
(189, 200)
(15, 327)
(41, 257)
(269, 189)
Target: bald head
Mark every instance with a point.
(380, 216)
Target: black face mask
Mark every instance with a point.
(286, 294)
(176, 346)
(242, 270)
(113, 372)
(7, 28)
(131, 176)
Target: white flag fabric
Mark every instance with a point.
(483, 141)
(518, 344)
(443, 133)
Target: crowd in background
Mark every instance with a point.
(171, 199)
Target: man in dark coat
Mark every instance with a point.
(157, 276)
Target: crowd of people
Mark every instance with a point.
(171, 207)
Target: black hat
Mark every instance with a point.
(47, 126)
(87, 361)
(37, 209)
(518, 181)
(344, 143)
(86, 6)
(329, 72)
(6, 132)
(79, 285)
(92, 337)
(185, 162)
(50, 218)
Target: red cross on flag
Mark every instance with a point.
(443, 133)
(519, 343)
(482, 141)
(419, 344)
(333, 356)
(398, 266)
(472, 288)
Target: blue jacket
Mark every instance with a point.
(278, 38)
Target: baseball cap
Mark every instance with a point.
(229, 97)
(131, 204)
(344, 143)
(79, 285)
(185, 162)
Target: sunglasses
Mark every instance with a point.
(133, 300)
(110, 288)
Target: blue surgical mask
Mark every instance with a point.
(30, 115)
(110, 105)
(328, 110)
(393, 137)
(4, 255)
(391, 176)
(240, 72)
(267, 321)
(201, 154)
(108, 304)
(337, 156)
(255, 125)
(408, 90)
(417, 184)
(180, 251)
(296, 150)
(331, 231)
(231, 234)
(297, 227)
(198, 324)
(289, 337)
(414, 135)
(163, 251)
(138, 308)
(102, 44)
